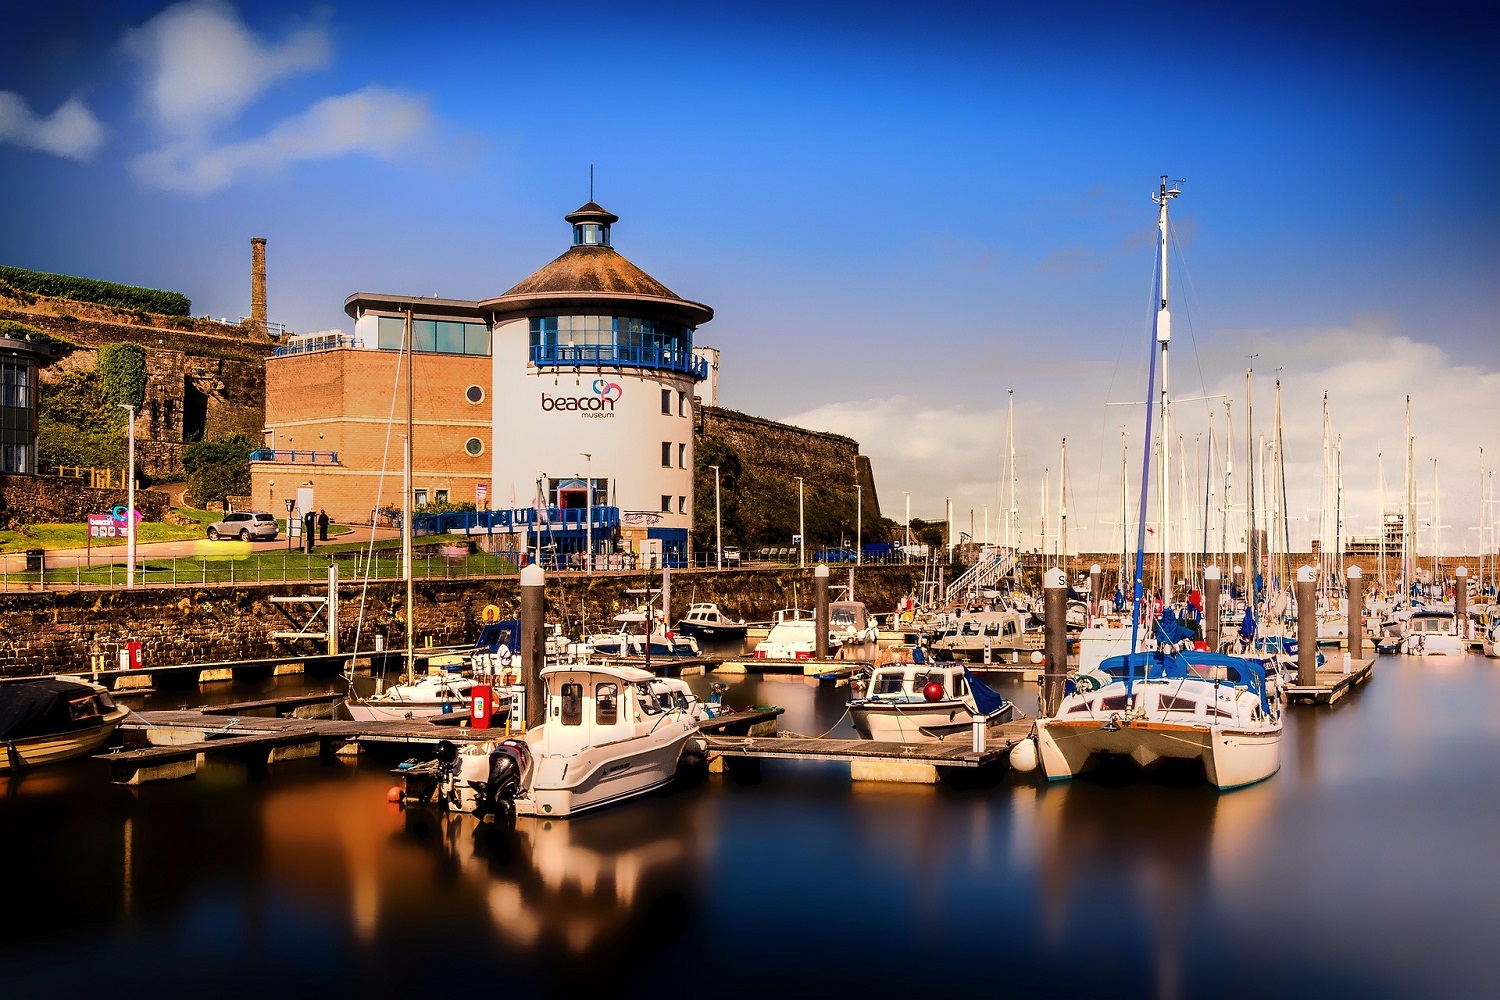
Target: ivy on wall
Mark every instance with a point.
(122, 370)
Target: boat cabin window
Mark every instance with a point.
(645, 700)
(992, 629)
(970, 628)
(887, 684)
(921, 682)
(84, 708)
(960, 687)
(1010, 629)
(606, 703)
(1169, 703)
(572, 704)
(1116, 703)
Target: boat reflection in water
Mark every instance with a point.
(582, 898)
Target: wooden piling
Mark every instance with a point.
(1356, 583)
(534, 641)
(820, 611)
(1211, 587)
(1055, 640)
(1307, 625)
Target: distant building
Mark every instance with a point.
(572, 390)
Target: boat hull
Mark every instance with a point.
(916, 722)
(1231, 758)
(566, 785)
(54, 748)
(712, 633)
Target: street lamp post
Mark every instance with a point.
(906, 546)
(130, 499)
(859, 524)
(801, 529)
(588, 511)
(718, 524)
(290, 503)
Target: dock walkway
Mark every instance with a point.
(1331, 684)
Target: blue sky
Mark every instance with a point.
(897, 211)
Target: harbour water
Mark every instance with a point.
(1366, 867)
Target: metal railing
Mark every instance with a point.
(294, 457)
(619, 356)
(313, 345)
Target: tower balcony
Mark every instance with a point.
(617, 356)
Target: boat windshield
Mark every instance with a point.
(888, 683)
(645, 699)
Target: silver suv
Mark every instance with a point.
(245, 525)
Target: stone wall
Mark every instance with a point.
(58, 631)
(51, 500)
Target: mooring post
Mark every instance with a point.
(1211, 587)
(1054, 639)
(533, 641)
(1356, 581)
(820, 611)
(333, 608)
(666, 604)
(1307, 626)
(1461, 605)
(1096, 582)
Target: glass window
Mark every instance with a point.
(450, 337)
(440, 496)
(606, 704)
(682, 456)
(666, 504)
(682, 408)
(666, 401)
(474, 394)
(666, 454)
(682, 505)
(476, 339)
(423, 335)
(643, 698)
(474, 447)
(572, 704)
(392, 330)
(419, 498)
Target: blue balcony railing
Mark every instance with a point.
(613, 356)
(315, 344)
(550, 521)
(286, 457)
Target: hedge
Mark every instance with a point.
(105, 293)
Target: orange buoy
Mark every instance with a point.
(394, 795)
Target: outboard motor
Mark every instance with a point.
(509, 764)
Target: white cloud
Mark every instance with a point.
(953, 447)
(373, 121)
(72, 131)
(204, 67)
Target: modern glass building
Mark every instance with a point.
(19, 360)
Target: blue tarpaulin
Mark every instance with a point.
(987, 701)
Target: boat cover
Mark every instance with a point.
(1156, 665)
(36, 708)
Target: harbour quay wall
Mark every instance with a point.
(67, 631)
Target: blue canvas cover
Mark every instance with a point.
(986, 700)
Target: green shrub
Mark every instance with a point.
(59, 346)
(122, 370)
(218, 468)
(104, 293)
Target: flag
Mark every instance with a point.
(986, 701)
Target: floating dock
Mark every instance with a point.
(170, 745)
(1331, 684)
(870, 760)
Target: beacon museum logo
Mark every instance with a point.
(600, 404)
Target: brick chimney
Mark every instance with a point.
(258, 284)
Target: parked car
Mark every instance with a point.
(245, 525)
(834, 555)
(731, 555)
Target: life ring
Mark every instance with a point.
(491, 614)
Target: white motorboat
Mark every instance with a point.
(1491, 641)
(850, 623)
(914, 702)
(434, 694)
(630, 638)
(607, 738)
(1432, 633)
(968, 639)
(794, 636)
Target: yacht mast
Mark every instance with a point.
(1409, 514)
(1380, 513)
(406, 512)
(1012, 512)
(1062, 501)
(1164, 339)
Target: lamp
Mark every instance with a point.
(290, 503)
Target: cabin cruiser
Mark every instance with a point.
(54, 719)
(707, 621)
(607, 738)
(794, 636)
(434, 694)
(916, 701)
(630, 639)
(1432, 633)
(968, 639)
(1159, 706)
(851, 623)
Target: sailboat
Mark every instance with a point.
(1154, 706)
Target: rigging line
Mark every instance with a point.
(1194, 304)
(379, 491)
(1140, 535)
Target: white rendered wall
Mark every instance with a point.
(624, 436)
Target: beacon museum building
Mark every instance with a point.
(564, 406)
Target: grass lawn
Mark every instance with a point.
(69, 536)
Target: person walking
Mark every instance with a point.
(322, 525)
